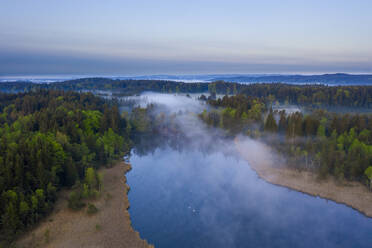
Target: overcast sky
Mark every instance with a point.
(118, 37)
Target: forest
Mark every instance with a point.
(51, 140)
(328, 143)
(55, 136)
(306, 95)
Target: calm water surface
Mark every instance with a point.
(191, 199)
(197, 192)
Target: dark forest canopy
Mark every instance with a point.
(324, 142)
(305, 95)
(123, 87)
(50, 140)
(312, 95)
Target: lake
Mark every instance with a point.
(198, 192)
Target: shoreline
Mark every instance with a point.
(111, 226)
(351, 194)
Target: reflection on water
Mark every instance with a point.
(189, 188)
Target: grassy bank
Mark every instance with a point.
(352, 194)
(110, 226)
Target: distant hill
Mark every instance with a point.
(330, 79)
(337, 79)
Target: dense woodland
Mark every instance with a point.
(324, 142)
(313, 95)
(50, 140)
(307, 95)
(121, 87)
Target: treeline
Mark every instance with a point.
(49, 140)
(306, 95)
(121, 87)
(237, 113)
(324, 142)
(131, 87)
(312, 95)
(126, 87)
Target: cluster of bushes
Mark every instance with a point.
(90, 188)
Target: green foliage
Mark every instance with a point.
(90, 178)
(92, 120)
(237, 112)
(112, 143)
(91, 209)
(92, 184)
(326, 143)
(75, 201)
(368, 173)
(47, 236)
(50, 140)
(98, 227)
(305, 95)
(321, 131)
(140, 120)
(270, 124)
(311, 95)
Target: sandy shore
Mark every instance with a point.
(268, 167)
(109, 227)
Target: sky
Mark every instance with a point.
(119, 37)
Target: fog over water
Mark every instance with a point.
(193, 189)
